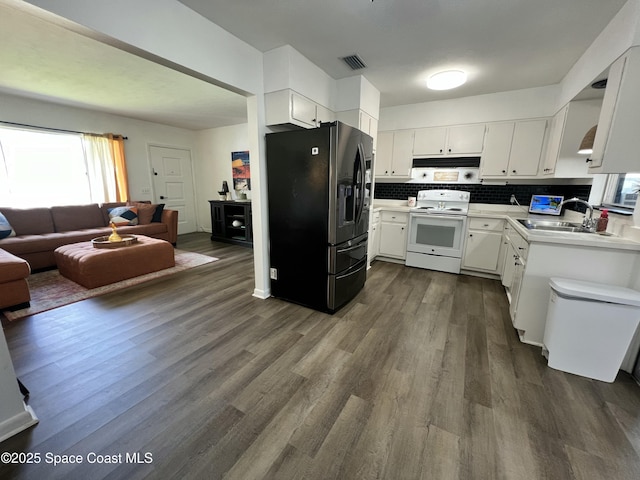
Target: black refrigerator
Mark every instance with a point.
(319, 200)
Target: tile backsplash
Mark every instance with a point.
(496, 194)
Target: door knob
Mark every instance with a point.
(162, 197)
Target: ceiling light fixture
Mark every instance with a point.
(446, 80)
(586, 146)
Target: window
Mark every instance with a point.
(45, 168)
(41, 169)
(621, 191)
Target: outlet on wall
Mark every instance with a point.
(146, 191)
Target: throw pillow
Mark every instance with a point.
(122, 216)
(157, 216)
(5, 228)
(145, 212)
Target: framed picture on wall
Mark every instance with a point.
(241, 170)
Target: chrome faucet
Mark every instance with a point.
(587, 223)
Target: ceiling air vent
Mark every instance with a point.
(354, 62)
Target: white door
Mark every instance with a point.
(173, 184)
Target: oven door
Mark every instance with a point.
(436, 234)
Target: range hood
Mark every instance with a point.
(446, 170)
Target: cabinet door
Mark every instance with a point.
(497, 149)
(374, 240)
(507, 262)
(323, 115)
(303, 110)
(482, 250)
(555, 140)
(429, 141)
(373, 132)
(518, 274)
(365, 123)
(402, 157)
(526, 147)
(217, 219)
(393, 240)
(617, 141)
(384, 152)
(465, 139)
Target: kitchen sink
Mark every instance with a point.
(554, 226)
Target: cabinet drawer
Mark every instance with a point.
(399, 217)
(520, 245)
(488, 224)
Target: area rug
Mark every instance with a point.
(51, 290)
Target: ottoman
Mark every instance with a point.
(94, 267)
(14, 289)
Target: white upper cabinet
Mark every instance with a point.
(465, 139)
(568, 127)
(617, 142)
(288, 107)
(456, 140)
(303, 110)
(513, 149)
(555, 140)
(497, 149)
(394, 154)
(430, 141)
(362, 121)
(527, 147)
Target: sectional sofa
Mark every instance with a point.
(39, 231)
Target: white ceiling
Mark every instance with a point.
(503, 46)
(42, 60)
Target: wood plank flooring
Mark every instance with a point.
(421, 376)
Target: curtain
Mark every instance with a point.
(106, 167)
(116, 143)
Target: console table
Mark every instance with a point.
(231, 221)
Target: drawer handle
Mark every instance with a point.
(486, 224)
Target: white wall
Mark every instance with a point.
(620, 34)
(214, 165)
(514, 105)
(140, 133)
(357, 93)
(285, 67)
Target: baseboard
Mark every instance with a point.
(18, 423)
(261, 294)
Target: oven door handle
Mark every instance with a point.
(436, 215)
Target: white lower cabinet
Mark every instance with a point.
(374, 236)
(528, 266)
(483, 245)
(393, 234)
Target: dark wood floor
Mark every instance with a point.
(420, 377)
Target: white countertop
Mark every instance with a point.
(563, 238)
(513, 213)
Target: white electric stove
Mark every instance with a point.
(436, 230)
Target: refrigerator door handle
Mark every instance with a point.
(355, 247)
(359, 183)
